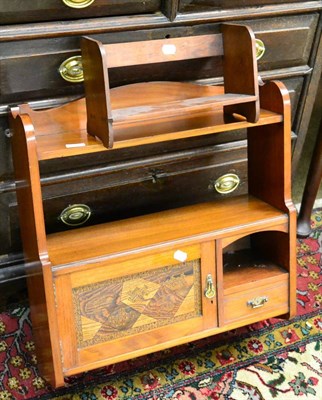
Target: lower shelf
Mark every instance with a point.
(243, 269)
(239, 215)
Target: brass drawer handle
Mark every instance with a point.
(260, 48)
(75, 214)
(227, 183)
(210, 291)
(257, 302)
(78, 3)
(72, 69)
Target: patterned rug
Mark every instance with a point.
(273, 359)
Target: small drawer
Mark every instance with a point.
(267, 298)
(13, 12)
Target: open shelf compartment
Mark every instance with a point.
(256, 276)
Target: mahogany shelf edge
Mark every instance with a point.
(74, 143)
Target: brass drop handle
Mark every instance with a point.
(210, 291)
(71, 70)
(75, 214)
(257, 302)
(227, 183)
(78, 3)
(260, 48)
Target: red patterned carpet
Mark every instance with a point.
(273, 359)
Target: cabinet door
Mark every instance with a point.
(123, 309)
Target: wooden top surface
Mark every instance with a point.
(62, 132)
(207, 220)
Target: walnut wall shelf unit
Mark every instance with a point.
(110, 291)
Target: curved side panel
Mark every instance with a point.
(38, 266)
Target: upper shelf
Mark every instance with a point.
(235, 47)
(62, 132)
(151, 112)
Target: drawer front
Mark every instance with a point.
(288, 40)
(30, 69)
(41, 68)
(150, 188)
(17, 11)
(201, 5)
(120, 307)
(253, 304)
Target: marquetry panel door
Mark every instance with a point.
(112, 310)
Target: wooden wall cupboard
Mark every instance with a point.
(111, 291)
(109, 186)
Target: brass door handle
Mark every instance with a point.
(257, 302)
(78, 3)
(227, 183)
(210, 290)
(75, 214)
(71, 70)
(260, 48)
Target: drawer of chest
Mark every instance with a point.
(201, 5)
(284, 42)
(111, 311)
(149, 188)
(48, 10)
(43, 68)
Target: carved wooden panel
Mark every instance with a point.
(137, 303)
